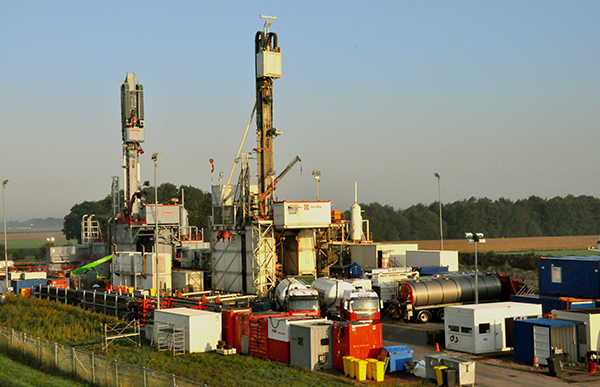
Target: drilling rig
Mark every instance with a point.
(256, 239)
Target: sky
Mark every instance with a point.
(498, 97)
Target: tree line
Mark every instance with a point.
(531, 217)
(197, 203)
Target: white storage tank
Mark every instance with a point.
(484, 328)
(202, 329)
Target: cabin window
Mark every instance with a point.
(557, 274)
(466, 330)
(453, 328)
(484, 328)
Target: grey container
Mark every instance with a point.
(465, 369)
(311, 345)
(432, 361)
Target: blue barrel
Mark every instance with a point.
(354, 270)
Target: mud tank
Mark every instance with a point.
(424, 299)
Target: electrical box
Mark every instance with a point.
(268, 64)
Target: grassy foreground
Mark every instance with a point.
(15, 374)
(76, 327)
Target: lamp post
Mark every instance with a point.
(475, 237)
(440, 194)
(317, 175)
(5, 244)
(155, 159)
(51, 241)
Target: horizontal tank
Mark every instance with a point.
(331, 292)
(447, 290)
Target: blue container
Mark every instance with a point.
(354, 270)
(549, 302)
(432, 270)
(524, 342)
(399, 355)
(17, 285)
(577, 277)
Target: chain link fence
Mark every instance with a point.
(99, 370)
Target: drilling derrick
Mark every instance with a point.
(268, 67)
(132, 130)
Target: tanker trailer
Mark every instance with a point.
(423, 299)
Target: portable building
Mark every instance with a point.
(542, 338)
(202, 329)
(377, 255)
(482, 328)
(589, 326)
(577, 277)
(311, 345)
(421, 258)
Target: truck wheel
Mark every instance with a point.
(423, 316)
(440, 314)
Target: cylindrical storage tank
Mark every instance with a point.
(282, 290)
(331, 291)
(356, 232)
(446, 290)
(354, 270)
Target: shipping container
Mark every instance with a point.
(431, 270)
(279, 329)
(237, 330)
(357, 339)
(588, 321)
(484, 328)
(202, 329)
(542, 338)
(17, 285)
(430, 258)
(311, 345)
(228, 323)
(550, 303)
(577, 277)
(381, 255)
(256, 326)
(287, 214)
(62, 283)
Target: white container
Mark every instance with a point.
(279, 327)
(202, 328)
(167, 214)
(433, 258)
(482, 328)
(30, 275)
(589, 326)
(302, 214)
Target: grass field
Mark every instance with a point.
(15, 374)
(32, 241)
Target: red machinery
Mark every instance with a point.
(358, 339)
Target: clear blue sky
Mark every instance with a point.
(500, 98)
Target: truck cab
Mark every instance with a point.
(360, 306)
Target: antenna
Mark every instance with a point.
(268, 22)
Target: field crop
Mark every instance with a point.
(515, 245)
(15, 374)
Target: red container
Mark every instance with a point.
(258, 333)
(228, 323)
(279, 351)
(238, 319)
(62, 283)
(358, 339)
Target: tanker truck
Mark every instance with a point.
(424, 299)
(341, 300)
(297, 298)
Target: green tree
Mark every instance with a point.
(101, 209)
(18, 255)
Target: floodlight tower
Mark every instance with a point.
(268, 67)
(132, 130)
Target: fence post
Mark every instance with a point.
(144, 372)
(93, 369)
(12, 334)
(39, 350)
(23, 339)
(73, 360)
(174, 381)
(56, 354)
(116, 374)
